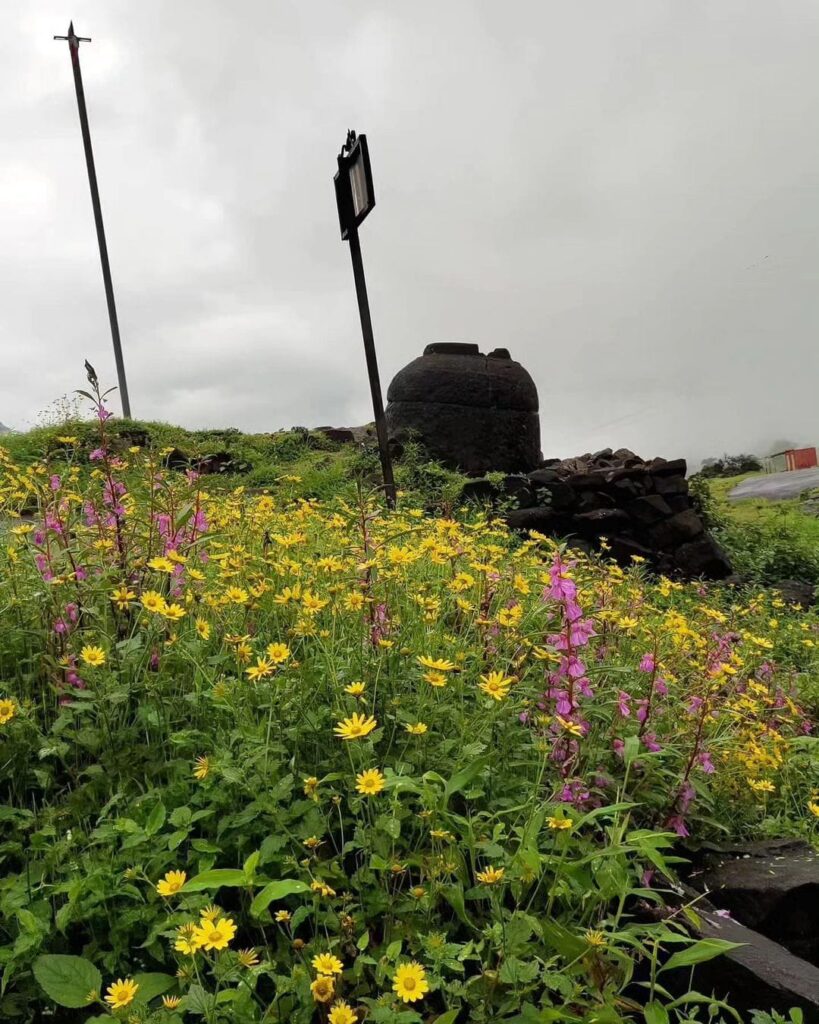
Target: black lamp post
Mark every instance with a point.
(355, 197)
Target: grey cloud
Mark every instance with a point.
(624, 195)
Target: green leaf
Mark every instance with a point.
(698, 952)
(447, 1018)
(363, 941)
(68, 980)
(152, 985)
(655, 1013)
(215, 878)
(276, 891)
(156, 819)
(460, 780)
(198, 1001)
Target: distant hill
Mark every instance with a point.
(4, 429)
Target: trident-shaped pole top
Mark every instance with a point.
(73, 39)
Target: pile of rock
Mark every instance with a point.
(640, 508)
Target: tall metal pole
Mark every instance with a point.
(74, 49)
(372, 365)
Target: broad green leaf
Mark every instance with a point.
(460, 780)
(68, 980)
(156, 819)
(276, 891)
(215, 878)
(152, 985)
(198, 1001)
(655, 1013)
(698, 952)
(447, 1018)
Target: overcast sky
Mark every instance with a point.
(623, 194)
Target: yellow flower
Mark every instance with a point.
(277, 653)
(174, 612)
(437, 679)
(342, 1013)
(311, 784)
(436, 664)
(67, 439)
(491, 876)
(418, 729)
(8, 709)
(215, 934)
(161, 564)
(203, 629)
(510, 616)
(496, 685)
(322, 888)
(171, 1002)
(260, 670)
(559, 823)
(326, 963)
(813, 807)
(356, 727)
(762, 785)
(355, 689)
(122, 597)
(595, 938)
(410, 982)
(201, 768)
(282, 916)
(248, 957)
(236, 595)
(186, 939)
(323, 988)
(370, 782)
(171, 883)
(210, 913)
(441, 833)
(571, 727)
(354, 602)
(312, 604)
(93, 656)
(153, 602)
(121, 993)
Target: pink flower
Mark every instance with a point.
(55, 483)
(622, 704)
(706, 763)
(676, 824)
(647, 663)
(650, 741)
(619, 747)
(660, 686)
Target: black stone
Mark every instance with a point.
(624, 548)
(770, 886)
(560, 496)
(668, 467)
(178, 460)
(678, 502)
(519, 489)
(472, 412)
(687, 524)
(543, 476)
(590, 501)
(603, 522)
(479, 490)
(541, 519)
(649, 509)
(670, 485)
(340, 435)
(703, 557)
(796, 592)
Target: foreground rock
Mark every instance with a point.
(759, 975)
(638, 508)
(770, 886)
(473, 412)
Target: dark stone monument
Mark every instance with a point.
(473, 412)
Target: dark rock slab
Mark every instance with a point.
(670, 485)
(339, 435)
(796, 592)
(702, 557)
(602, 522)
(771, 886)
(541, 519)
(649, 509)
(759, 975)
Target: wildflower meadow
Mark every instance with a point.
(273, 758)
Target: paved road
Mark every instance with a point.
(776, 486)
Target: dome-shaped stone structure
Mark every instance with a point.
(473, 412)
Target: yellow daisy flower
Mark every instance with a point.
(171, 883)
(121, 993)
(370, 782)
(410, 982)
(355, 727)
